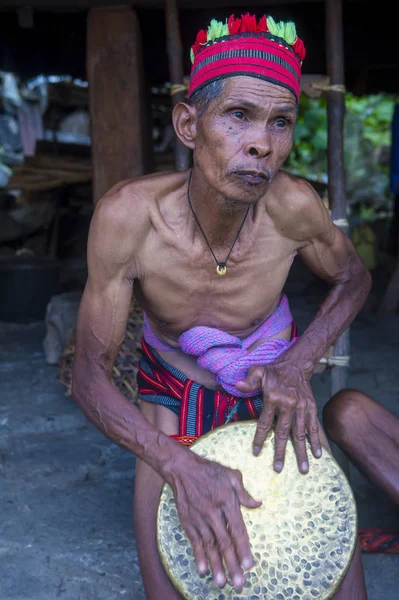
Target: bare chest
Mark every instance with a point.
(181, 288)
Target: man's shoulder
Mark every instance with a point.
(294, 193)
(123, 217)
(129, 203)
(296, 207)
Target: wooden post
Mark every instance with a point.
(336, 173)
(174, 50)
(114, 69)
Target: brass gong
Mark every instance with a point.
(302, 537)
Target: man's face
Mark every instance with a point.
(244, 137)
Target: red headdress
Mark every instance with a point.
(264, 49)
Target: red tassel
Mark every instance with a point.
(248, 24)
(202, 38)
(234, 25)
(299, 49)
(262, 24)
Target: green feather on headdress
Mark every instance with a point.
(217, 29)
(286, 31)
(247, 24)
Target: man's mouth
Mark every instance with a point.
(252, 177)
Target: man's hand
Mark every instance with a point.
(287, 395)
(208, 498)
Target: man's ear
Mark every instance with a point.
(184, 117)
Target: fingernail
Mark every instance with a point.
(220, 579)
(256, 450)
(317, 453)
(202, 568)
(238, 581)
(247, 563)
(304, 467)
(278, 466)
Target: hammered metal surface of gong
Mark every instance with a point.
(302, 537)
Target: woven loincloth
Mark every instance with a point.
(200, 409)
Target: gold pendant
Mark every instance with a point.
(221, 269)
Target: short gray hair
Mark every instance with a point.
(202, 98)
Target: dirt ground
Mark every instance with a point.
(66, 492)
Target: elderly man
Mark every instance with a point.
(206, 254)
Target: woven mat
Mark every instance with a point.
(126, 363)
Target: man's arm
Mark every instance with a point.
(100, 332)
(287, 393)
(330, 254)
(208, 495)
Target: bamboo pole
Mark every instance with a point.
(174, 50)
(336, 173)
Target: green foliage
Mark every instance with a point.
(375, 114)
(308, 157)
(367, 138)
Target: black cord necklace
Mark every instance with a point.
(221, 268)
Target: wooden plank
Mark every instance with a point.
(114, 68)
(35, 186)
(56, 162)
(175, 60)
(34, 178)
(66, 175)
(41, 184)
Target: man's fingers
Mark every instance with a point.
(312, 426)
(198, 549)
(263, 427)
(253, 380)
(239, 535)
(228, 548)
(299, 439)
(243, 497)
(282, 434)
(211, 547)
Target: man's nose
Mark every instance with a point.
(258, 145)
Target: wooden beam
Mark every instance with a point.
(114, 69)
(175, 59)
(336, 174)
(62, 5)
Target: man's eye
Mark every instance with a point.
(239, 114)
(283, 122)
